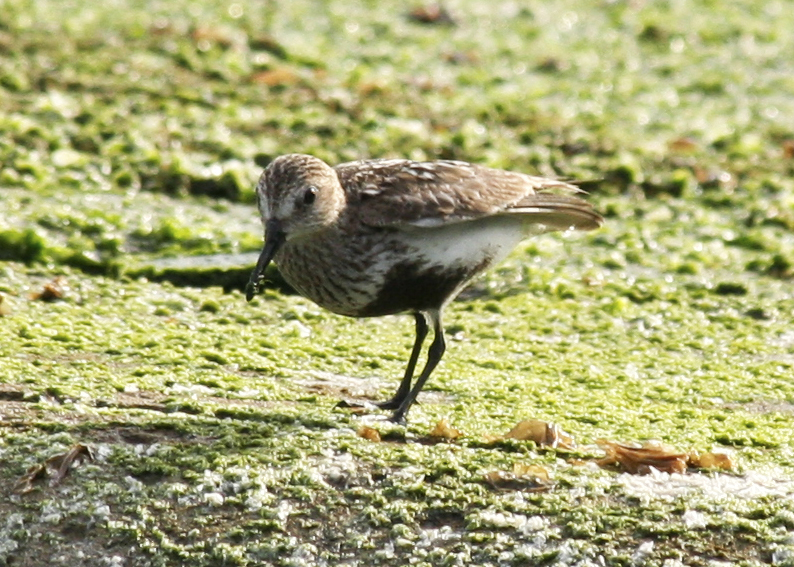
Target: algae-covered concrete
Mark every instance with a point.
(131, 134)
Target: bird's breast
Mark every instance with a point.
(386, 271)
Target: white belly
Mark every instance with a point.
(470, 242)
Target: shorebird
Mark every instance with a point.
(378, 237)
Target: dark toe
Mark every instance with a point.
(399, 418)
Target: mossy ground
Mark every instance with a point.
(135, 130)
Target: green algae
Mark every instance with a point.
(128, 142)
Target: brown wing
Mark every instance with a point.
(387, 193)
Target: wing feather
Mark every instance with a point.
(393, 193)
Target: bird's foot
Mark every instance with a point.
(398, 418)
(393, 403)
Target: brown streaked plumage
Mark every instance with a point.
(377, 237)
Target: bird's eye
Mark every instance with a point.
(310, 195)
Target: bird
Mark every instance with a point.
(378, 237)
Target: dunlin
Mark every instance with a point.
(377, 237)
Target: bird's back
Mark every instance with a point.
(403, 192)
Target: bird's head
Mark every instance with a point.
(297, 195)
(300, 193)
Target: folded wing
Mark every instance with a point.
(426, 194)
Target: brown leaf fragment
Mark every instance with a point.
(56, 467)
(533, 478)
(277, 77)
(432, 14)
(543, 433)
(683, 145)
(25, 483)
(538, 471)
(444, 430)
(161, 26)
(788, 149)
(369, 433)
(62, 464)
(711, 460)
(640, 460)
(55, 289)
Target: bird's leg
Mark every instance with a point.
(434, 354)
(405, 385)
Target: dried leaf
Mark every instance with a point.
(280, 76)
(683, 145)
(63, 463)
(369, 433)
(533, 478)
(542, 433)
(788, 149)
(432, 14)
(444, 430)
(640, 460)
(538, 471)
(529, 430)
(53, 290)
(25, 483)
(711, 460)
(57, 467)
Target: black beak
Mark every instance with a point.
(274, 238)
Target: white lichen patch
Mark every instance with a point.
(707, 487)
